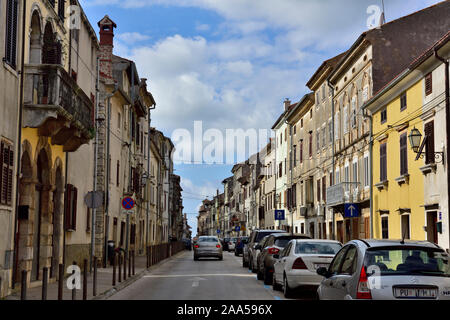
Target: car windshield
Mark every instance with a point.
(407, 261)
(207, 239)
(317, 248)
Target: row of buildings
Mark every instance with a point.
(364, 154)
(75, 118)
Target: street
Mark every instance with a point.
(182, 278)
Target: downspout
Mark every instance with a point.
(94, 210)
(149, 174)
(370, 173)
(333, 146)
(19, 150)
(447, 125)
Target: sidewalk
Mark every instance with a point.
(104, 283)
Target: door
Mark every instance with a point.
(340, 233)
(432, 235)
(327, 288)
(344, 279)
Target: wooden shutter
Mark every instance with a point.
(318, 190)
(428, 84)
(310, 144)
(138, 133)
(429, 133)
(67, 206)
(383, 164)
(403, 154)
(74, 199)
(118, 173)
(301, 151)
(133, 234)
(324, 190)
(11, 32)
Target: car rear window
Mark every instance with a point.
(403, 260)
(208, 239)
(317, 248)
(262, 234)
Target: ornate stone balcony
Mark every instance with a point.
(55, 105)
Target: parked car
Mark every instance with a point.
(208, 246)
(387, 270)
(225, 243)
(274, 244)
(249, 258)
(240, 243)
(295, 267)
(232, 244)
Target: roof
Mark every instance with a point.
(285, 112)
(396, 43)
(331, 63)
(397, 242)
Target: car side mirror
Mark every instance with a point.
(322, 271)
(276, 256)
(257, 247)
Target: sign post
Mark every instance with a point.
(127, 204)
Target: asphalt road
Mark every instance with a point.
(182, 278)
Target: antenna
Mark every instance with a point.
(383, 15)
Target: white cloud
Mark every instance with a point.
(132, 37)
(202, 27)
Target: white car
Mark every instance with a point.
(296, 266)
(232, 244)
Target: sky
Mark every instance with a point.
(230, 63)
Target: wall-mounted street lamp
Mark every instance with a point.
(415, 138)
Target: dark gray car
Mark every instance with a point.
(273, 245)
(249, 257)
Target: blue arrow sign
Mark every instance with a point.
(218, 230)
(237, 228)
(279, 214)
(351, 210)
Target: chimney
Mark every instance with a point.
(287, 103)
(106, 26)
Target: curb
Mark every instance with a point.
(110, 292)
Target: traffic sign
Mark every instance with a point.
(218, 230)
(93, 199)
(237, 228)
(351, 210)
(127, 211)
(128, 203)
(279, 214)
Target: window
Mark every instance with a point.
(318, 190)
(385, 227)
(323, 92)
(345, 125)
(118, 173)
(324, 137)
(428, 84)
(383, 115)
(318, 140)
(317, 97)
(310, 113)
(336, 126)
(355, 171)
(350, 261)
(301, 151)
(405, 226)
(11, 32)
(403, 101)
(295, 129)
(119, 120)
(88, 219)
(6, 173)
(353, 117)
(403, 155)
(310, 144)
(301, 123)
(429, 134)
(295, 155)
(383, 162)
(61, 9)
(330, 131)
(337, 261)
(70, 210)
(365, 93)
(324, 190)
(280, 170)
(366, 171)
(347, 177)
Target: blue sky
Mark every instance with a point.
(231, 63)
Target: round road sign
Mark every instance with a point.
(128, 203)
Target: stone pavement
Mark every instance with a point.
(104, 283)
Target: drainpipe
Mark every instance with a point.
(148, 173)
(94, 210)
(367, 116)
(19, 150)
(333, 146)
(447, 125)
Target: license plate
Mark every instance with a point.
(415, 293)
(320, 265)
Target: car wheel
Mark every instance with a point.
(259, 274)
(244, 263)
(235, 253)
(249, 263)
(195, 258)
(286, 290)
(275, 285)
(253, 267)
(221, 258)
(267, 277)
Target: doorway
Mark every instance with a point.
(432, 234)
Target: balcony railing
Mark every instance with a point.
(51, 94)
(343, 192)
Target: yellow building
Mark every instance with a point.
(399, 171)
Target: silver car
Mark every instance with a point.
(387, 270)
(208, 246)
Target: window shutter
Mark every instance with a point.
(1, 171)
(429, 133)
(324, 186)
(74, 208)
(11, 32)
(301, 151)
(318, 190)
(383, 164)
(67, 206)
(428, 84)
(403, 155)
(88, 219)
(118, 173)
(310, 144)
